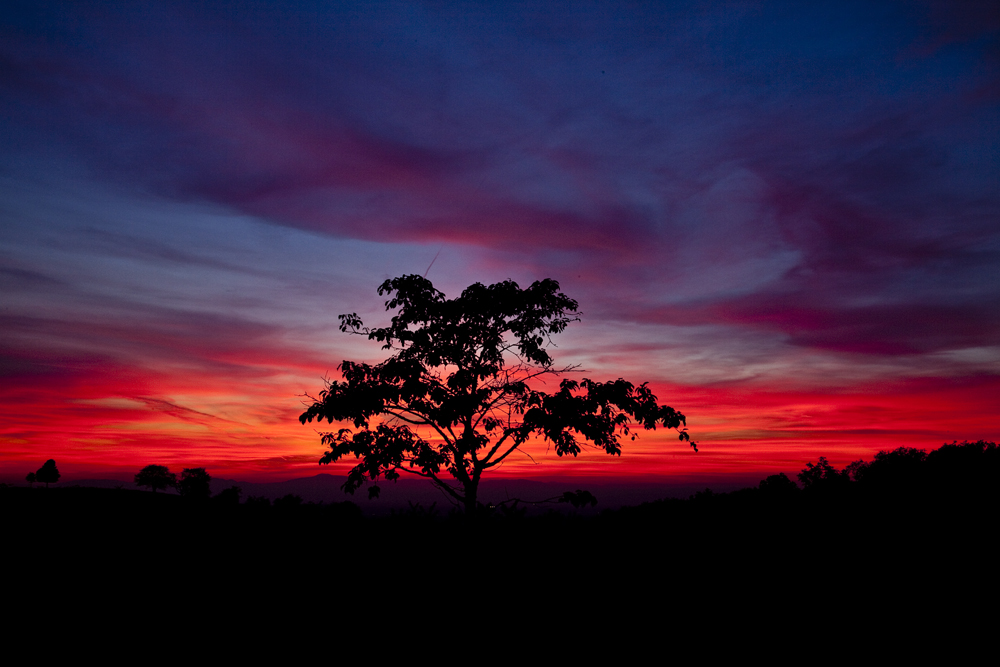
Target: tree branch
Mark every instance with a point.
(440, 483)
(426, 421)
(513, 447)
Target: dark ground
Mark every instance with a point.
(115, 532)
(905, 541)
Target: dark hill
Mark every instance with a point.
(919, 512)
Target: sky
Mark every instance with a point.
(783, 216)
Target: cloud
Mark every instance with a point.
(191, 194)
(179, 411)
(881, 329)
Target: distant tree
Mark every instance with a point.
(471, 371)
(416, 512)
(889, 468)
(961, 458)
(30, 479)
(964, 468)
(48, 473)
(777, 486)
(230, 496)
(155, 477)
(822, 476)
(579, 498)
(194, 484)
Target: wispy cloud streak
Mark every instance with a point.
(777, 197)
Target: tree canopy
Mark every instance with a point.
(155, 477)
(195, 484)
(48, 473)
(468, 368)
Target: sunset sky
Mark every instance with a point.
(784, 216)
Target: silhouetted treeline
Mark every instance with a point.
(886, 536)
(904, 505)
(958, 475)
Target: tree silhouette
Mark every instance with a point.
(155, 477)
(48, 473)
(778, 486)
(469, 369)
(823, 477)
(230, 496)
(890, 471)
(194, 484)
(578, 498)
(965, 463)
(30, 478)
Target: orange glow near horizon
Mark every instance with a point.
(112, 429)
(795, 242)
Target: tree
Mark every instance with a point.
(823, 477)
(900, 466)
(48, 473)
(30, 479)
(230, 496)
(194, 484)
(155, 477)
(469, 370)
(777, 486)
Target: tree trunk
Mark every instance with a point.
(471, 497)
